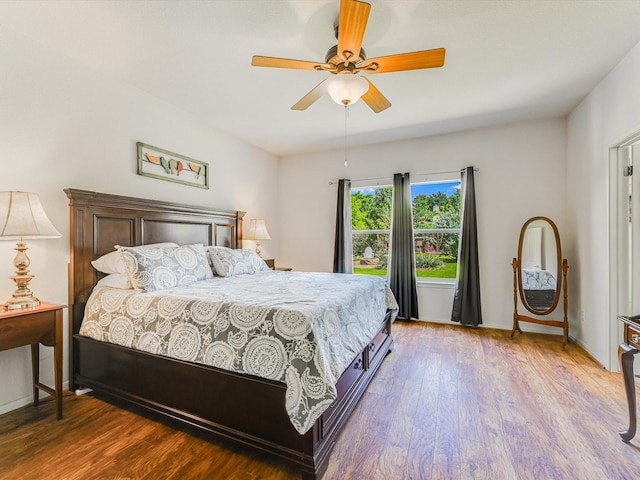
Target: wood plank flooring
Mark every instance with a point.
(448, 403)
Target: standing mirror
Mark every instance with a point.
(540, 276)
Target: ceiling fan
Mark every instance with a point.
(346, 59)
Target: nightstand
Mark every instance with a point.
(32, 326)
(271, 263)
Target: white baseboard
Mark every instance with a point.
(21, 402)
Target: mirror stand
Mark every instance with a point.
(564, 323)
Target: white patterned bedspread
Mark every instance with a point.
(537, 279)
(302, 329)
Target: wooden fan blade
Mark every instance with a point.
(376, 101)
(260, 61)
(405, 61)
(306, 101)
(351, 26)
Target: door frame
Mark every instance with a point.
(619, 297)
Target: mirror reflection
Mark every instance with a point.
(539, 263)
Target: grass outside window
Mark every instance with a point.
(447, 272)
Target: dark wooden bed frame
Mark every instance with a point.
(210, 398)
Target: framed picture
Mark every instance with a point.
(173, 167)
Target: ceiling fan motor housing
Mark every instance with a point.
(333, 58)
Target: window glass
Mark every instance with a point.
(370, 225)
(436, 228)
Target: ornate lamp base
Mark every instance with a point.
(24, 302)
(22, 297)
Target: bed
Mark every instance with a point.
(211, 398)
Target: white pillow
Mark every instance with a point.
(228, 262)
(112, 261)
(158, 268)
(115, 280)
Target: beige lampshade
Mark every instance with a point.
(257, 230)
(23, 217)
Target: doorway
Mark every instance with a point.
(624, 238)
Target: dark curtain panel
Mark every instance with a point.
(402, 261)
(343, 252)
(466, 302)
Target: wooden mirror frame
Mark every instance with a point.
(561, 285)
(558, 268)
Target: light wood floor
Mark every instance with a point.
(448, 403)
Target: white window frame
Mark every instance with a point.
(427, 180)
(447, 179)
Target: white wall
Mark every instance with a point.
(522, 174)
(65, 125)
(604, 118)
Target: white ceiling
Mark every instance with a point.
(506, 60)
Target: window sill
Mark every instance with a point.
(436, 283)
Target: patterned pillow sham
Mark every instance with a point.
(152, 269)
(112, 261)
(229, 263)
(207, 251)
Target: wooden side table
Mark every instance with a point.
(271, 263)
(32, 326)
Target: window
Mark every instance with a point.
(371, 229)
(436, 228)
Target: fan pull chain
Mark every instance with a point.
(346, 116)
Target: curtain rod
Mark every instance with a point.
(417, 174)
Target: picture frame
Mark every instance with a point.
(162, 164)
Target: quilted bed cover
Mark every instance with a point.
(302, 329)
(536, 279)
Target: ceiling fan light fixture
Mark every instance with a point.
(346, 89)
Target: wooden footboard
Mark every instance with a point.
(218, 401)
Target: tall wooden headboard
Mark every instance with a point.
(99, 221)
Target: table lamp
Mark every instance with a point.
(257, 231)
(22, 217)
